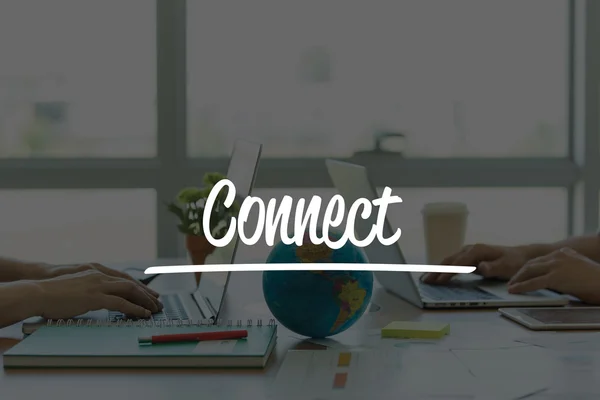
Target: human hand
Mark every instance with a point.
(70, 295)
(490, 261)
(54, 271)
(564, 271)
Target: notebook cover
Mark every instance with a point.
(122, 342)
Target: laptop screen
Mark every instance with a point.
(243, 166)
(353, 183)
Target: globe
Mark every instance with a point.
(317, 304)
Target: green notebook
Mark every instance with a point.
(118, 347)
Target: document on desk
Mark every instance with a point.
(588, 341)
(480, 335)
(384, 374)
(529, 364)
(335, 374)
(463, 335)
(534, 369)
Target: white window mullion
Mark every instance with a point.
(398, 172)
(586, 150)
(80, 173)
(171, 111)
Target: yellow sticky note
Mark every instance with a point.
(344, 359)
(415, 330)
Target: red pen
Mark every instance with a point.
(194, 337)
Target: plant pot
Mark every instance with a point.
(199, 248)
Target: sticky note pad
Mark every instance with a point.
(415, 330)
(339, 380)
(344, 359)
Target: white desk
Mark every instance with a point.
(244, 300)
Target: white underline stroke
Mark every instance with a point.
(182, 269)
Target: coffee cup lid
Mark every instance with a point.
(444, 207)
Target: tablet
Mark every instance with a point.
(553, 318)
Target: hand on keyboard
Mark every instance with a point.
(67, 296)
(490, 261)
(172, 310)
(565, 271)
(55, 271)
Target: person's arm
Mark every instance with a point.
(565, 271)
(12, 270)
(588, 246)
(503, 262)
(70, 295)
(18, 301)
(15, 270)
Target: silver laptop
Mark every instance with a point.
(204, 303)
(465, 291)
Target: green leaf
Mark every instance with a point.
(175, 209)
(206, 191)
(190, 195)
(220, 233)
(214, 219)
(211, 178)
(220, 218)
(195, 228)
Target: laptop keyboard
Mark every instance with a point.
(454, 293)
(172, 309)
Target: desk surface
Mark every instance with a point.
(244, 300)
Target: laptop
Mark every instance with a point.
(465, 291)
(206, 301)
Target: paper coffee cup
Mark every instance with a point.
(445, 228)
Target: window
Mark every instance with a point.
(460, 78)
(118, 105)
(65, 226)
(77, 78)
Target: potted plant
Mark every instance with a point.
(189, 209)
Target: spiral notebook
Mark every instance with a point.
(100, 344)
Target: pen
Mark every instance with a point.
(193, 337)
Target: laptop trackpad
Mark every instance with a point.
(500, 288)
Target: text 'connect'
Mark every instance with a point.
(270, 217)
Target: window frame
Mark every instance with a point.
(172, 169)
